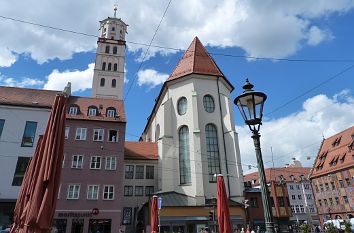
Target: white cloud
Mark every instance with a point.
(317, 35)
(151, 78)
(7, 58)
(261, 28)
(24, 82)
(300, 134)
(80, 80)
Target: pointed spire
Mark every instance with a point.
(196, 60)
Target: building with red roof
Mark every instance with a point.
(332, 176)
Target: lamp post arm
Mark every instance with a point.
(268, 217)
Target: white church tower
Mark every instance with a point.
(108, 78)
(193, 124)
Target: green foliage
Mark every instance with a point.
(347, 227)
(331, 228)
(305, 228)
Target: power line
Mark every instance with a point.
(183, 50)
(311, 89)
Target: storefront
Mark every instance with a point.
(94, 221)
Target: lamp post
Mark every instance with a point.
(250, 103)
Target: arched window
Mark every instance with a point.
(182, 106)
(115, 66)
(102, 82)
(114, 50)
(104, 66)
(109, 66)
(107, 49)
(184, 157)
(157, 133)
(208, 103)
(114, 82)
(211, 135)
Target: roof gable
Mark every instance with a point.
(196, 60)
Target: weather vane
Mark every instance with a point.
(115, 8)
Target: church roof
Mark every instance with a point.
(196, 60)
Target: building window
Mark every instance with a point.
(292, 177)
(292, 209)
(21, 166)
(337, 200)
(29, 134)
(2, 123)
(302, 208)
(139, 172)
(114, 49)
(115, 67)
(107, 49)
(111, 112)
(113, 29)
(95, 162)
(307, 186)
(184, 157)
(111, 163)
(341, 183)
(208, 103)
(92, 192)
(77, 161)
(92, 111)
(182, 106)
(298, 187)
(308, 196)
(293, 197)
(139, 190)
(325, 202)
(108, 192)
(149, 172)
(73, 110)
(109, 66)
(316, 188)
(321, 187)
(297, 209)
(347, 180)
(291, 187)
(281, 201)
(95, 226)
(103, 68)
(326, 186)
(212, 151)
(127, 216)
(330, 201)
(299, 196)
(73, 191)
(113, 135)
(345, 198)
(254, 202)
(98, 134)
(149, 190)
(128, 190)
(80, 134)
(66, 134)
(129, 171)
(319, 202)
(114, 82)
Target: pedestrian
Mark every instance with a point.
(253, 231)
(242, 231)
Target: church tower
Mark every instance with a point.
(108, 77)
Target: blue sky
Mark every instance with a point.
(33, 57)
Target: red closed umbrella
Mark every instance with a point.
(154, 215)
(223, 207)
(35, 206)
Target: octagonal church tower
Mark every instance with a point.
(193, 124)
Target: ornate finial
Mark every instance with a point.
(247, 86)
(115, 8)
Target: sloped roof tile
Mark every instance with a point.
(140, 150)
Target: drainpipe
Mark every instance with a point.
(223, 137)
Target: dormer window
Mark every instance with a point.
(302, 177)
(292, 178)
(336, 142)
(73, 110)
(92, 111)
(111, 112)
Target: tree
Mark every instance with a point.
(305, 228)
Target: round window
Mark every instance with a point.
(208, 103)
(182, 106)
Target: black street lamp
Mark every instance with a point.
(250, 103)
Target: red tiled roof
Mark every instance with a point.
(335, 149)
(196, 60)
(27, 97)
(273, 174)
(102, 104)
(140, 150)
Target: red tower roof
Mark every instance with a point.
(196, 60)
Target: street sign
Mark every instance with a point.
(159, 203)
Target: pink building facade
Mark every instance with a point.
(90, 195)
